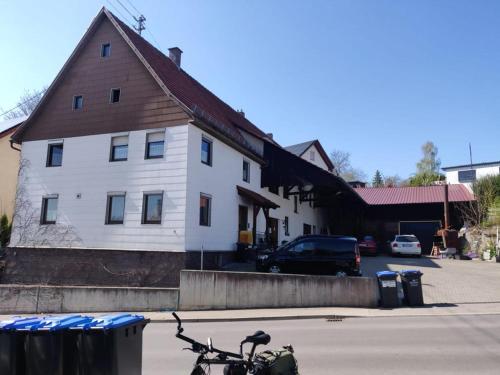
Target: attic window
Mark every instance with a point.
(78, 102)
(106, 50)
(115, 96)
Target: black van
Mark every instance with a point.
(314, 254)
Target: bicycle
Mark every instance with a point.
(234, 363)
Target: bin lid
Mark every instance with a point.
(387, 274)
(18, 322)
(411, 273)
(111, 321)
(57, 323)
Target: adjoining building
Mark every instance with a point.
(9, 158)
(412, 210)
(467, 174)
(134, 170)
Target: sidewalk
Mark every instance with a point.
(316, 313)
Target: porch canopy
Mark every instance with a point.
(259, 202)
(310, 182)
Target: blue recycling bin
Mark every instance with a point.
(12, 358)
(111, 345)
(50, 345)
(388, 287)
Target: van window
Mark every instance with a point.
(304, 247)
(335, 245)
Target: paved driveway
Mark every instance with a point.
(446, 280)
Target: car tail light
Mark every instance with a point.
(418, 245)
(394, 245)
(358, 260)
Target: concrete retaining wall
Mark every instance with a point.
(214, 290)
(28, 299)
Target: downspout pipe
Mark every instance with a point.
(11, 141)
(446, 208)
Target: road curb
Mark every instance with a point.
(323, 316)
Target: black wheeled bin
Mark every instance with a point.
(388, 287)
(50, 346)
(111, 345)
(12, 358)
(412, 287)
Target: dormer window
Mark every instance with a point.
(77, 102)
(114, 96)
(106, 50)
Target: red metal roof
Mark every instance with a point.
(414, 195)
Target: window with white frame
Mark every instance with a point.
(205, 209)
(119, 148)
(246, 171)
(49, 209)
(155, 143)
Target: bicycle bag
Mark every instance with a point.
(277, 362)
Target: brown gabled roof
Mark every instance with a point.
(414, 195)
(184, 89)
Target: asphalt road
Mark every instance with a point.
(404, 345)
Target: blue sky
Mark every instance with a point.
(374, 78)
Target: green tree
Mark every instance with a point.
(377, 181)
(427, 167)
(5, 229)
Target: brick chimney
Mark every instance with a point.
(174, 54)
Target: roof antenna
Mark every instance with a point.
(470, 155)
(140, 24)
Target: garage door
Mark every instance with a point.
(424, 230)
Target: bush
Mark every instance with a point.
(5, 230)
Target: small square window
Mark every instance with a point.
(78, 102)
(151, 208)
(246, 171)
(115, 209)
(49, 210)
(206, 151)
(205, 210)
(119, 148)
(114, 96)
(155, 145)
(106, 50)
(54, 155)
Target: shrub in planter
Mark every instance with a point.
(5, 229)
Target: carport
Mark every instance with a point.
(412, 210)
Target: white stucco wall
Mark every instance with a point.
(86, 177)
(318, 160)
(219, 181)
(452, 176)
(86, 170)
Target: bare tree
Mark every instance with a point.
(26, 228)
(393, 181)
(26, 104)
(342, 163)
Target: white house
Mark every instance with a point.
(467, 174)
(127, 152)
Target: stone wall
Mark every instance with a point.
(76, 266)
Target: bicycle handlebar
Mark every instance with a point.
(198, 346)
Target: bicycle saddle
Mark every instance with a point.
(258, 338)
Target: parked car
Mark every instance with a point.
(313, 254)
(406, 244)
(367, 246)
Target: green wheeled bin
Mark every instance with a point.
(388, 288)
(12, 339)
(412, 287)
(111, 345)
(50, 345)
